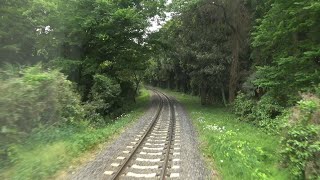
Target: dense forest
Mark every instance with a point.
(72, 65)
(68, 67)
(261, 57)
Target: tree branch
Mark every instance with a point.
(225, 15)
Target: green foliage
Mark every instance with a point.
(237, 150)
(105, 94)
(243, 107)
(15, 32)
(301, 145)
(286, 53)
(301, 152)
(263, 113)
(200, 49)
(57, 146)
(99, 45)
(65, 65)
(288, 47)
(82, 38)
(114, 43)
(33, 97)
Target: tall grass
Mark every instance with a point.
(47, 151)
(237, 150)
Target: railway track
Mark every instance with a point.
(155, 151)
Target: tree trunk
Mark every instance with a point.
(203, 94)
(172, 81)
(234, 70)
(223, 96)
(136, 91)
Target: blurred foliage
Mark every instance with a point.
(81, 38)
(56, 147)
(202, 48)
(236, 150)
(301, 142)
(105, 94)
(263, 113)
(207, 44)
(285, 61)
(104, 48)
(100, 46)
(15, 31)
(32, 97)
(287, 55)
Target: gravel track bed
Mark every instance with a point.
(191, 162)
(94, 170)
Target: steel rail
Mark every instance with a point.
(163, 173)
(117, 174)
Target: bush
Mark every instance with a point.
(32, 97)
(301, 144)
(262, 113)
(105, 97)
(243, 107)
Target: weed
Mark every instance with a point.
(239, 150)
(46, 152)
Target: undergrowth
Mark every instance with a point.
(51, 149)
(237, 150)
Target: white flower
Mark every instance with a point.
(47, 29)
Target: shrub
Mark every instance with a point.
(105, 96)
(266, 112)
(262, 113)
(243, 107)
(32, 97)
(301, 144)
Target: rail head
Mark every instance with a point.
(117, 174)
(163, 173)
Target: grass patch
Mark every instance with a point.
(236, 149)
(53, 149)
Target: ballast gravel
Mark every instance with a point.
(192, 165)
(192, 162)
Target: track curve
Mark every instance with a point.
(152, 153)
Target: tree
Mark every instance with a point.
(206, 42)
(237, 17)
(16, 32)
(83, 38)
(288, 59)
